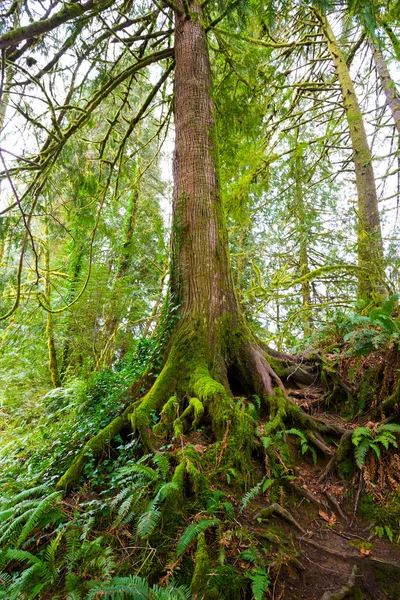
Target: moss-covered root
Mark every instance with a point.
(392, 404)
(94, 447)
(158, 399)
(201, 568)
(233, 429)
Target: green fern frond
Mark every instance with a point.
(361, 452)
(36, 516)
(260, 583)
(136, 588)
(162, 462)
(147, 523)
(250, 495)
(359, 434)
(192, 531)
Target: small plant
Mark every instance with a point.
(258, 575)
(366, 438)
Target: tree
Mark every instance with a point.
(209, 353)
(370, 252)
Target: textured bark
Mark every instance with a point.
(201, 277)
(303, 254)
(370, 252)
(388, 86)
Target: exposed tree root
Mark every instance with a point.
(285, 514)
(344, 591)
(193, 387)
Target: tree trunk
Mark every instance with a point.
(53, 365)
(370, 252)
(303, 254)
(112, 317)
(388, 85)
(209, 352)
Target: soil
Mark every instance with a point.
(331, 538)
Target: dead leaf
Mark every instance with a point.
(332, 519)
(323, 515)
(365, 552)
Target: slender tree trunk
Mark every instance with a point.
(388, 85)
(370, 252)
(112, 318)
(303, 254)
(75, 270)
(4, 227)
(53, 365)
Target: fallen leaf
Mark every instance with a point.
(323, 515)
(332, 519)
(365, 552)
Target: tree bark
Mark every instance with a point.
(53, 364)
(370, 250)
(303, 253)
(210, 355)
(388, 85)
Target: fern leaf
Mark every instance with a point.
(361, 452)
(192, 531)
(260, 584)
(35, 517)
(147, 523)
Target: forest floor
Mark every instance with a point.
(336, 553)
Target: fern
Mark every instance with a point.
(192, 531)
(365, 438)
(36, 516)
(163, 463)
(260, 583)
(251, 494)
(136, 588)
(147, 523)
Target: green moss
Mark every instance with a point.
(201, 568)
(392, 404)
(194, 408)
(154, 401)
(94, 447)
(278, 367)
(280, 408)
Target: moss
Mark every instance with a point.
(392, 404)
(94, 447)
(175, 497)
(281, 408)
(214, 397)
(154, 401)
(201, 568)
(197, 480)
(196, 408)
(278, 367)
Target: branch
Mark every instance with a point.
(68, 12)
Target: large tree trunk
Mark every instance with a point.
(370, 252)
(210, 354)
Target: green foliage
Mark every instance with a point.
(366, 438)
(366, 333)
(136, 588)
(193, 530)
